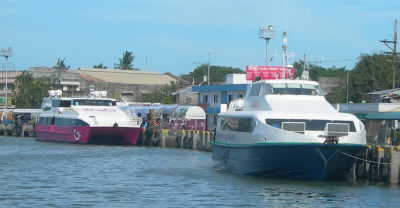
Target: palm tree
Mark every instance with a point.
(61, 65)
(100, 66)
(126, 63)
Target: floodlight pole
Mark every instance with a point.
(6, 54)
(267, 33)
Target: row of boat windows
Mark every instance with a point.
(248, 124)
(61, 121)
(94, 102)
(238, 124)
(89, 102)
(285, 89)
(310, 125)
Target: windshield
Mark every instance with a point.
(92, 102)
(293, 89)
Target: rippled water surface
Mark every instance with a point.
(45, 174)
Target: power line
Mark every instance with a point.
(350, 40)
(338, 60)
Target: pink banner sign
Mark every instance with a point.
(267, 72)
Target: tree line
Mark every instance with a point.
(371, 73)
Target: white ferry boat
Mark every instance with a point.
(90, 119)
(286, 128)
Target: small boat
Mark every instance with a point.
(89, 119)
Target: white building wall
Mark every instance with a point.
(236, 79)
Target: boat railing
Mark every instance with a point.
(135, 121)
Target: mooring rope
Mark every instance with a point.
(370, 161)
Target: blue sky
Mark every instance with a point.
(173, 34)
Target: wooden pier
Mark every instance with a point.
(24, 130)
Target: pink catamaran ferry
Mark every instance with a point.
(90, 119)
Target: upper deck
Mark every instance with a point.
(284, 87)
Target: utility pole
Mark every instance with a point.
(208, 68)
(306, 74)
(393, 53)
(208, 71)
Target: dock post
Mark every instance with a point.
(196, 141)
(192, 144)
(164, 134)
(23, 131)
(376, 156)
(207, 139)
(180, 134)
(394, 154)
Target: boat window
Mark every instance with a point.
(78, 122)
(237, 124)
(65, 103)
(277, 123)
(267, 89)
(306, 121)
(255, 90)
(308, 89)
(294, 89)
(351, 123)
(319, 90)
(46, 120)
(42, 120)
(56, 103)
(62, 122)
(47, 104)
(319, 125)
(279, 88)
(311, 125)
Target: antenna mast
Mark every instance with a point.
(285, 57)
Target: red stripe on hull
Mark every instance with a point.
(87, 134)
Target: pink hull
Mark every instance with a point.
(87, 134)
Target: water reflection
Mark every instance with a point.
(53, 174)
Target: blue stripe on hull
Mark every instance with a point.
(315, 162)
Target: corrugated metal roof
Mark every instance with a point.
(383, 92)
(383, 116)
(126, 78)
(227, 87)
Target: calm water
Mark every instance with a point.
(69, 175)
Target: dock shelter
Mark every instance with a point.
(175, 117)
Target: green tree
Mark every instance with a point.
(126, 63)
(216, 72)
(168, 100)
(162, 95)
(100, 66)
(156, 96)
(29, 91)
(371, 73)
(61, 65)
(317, 71)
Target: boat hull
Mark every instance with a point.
(308, 161)
(88, 134)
